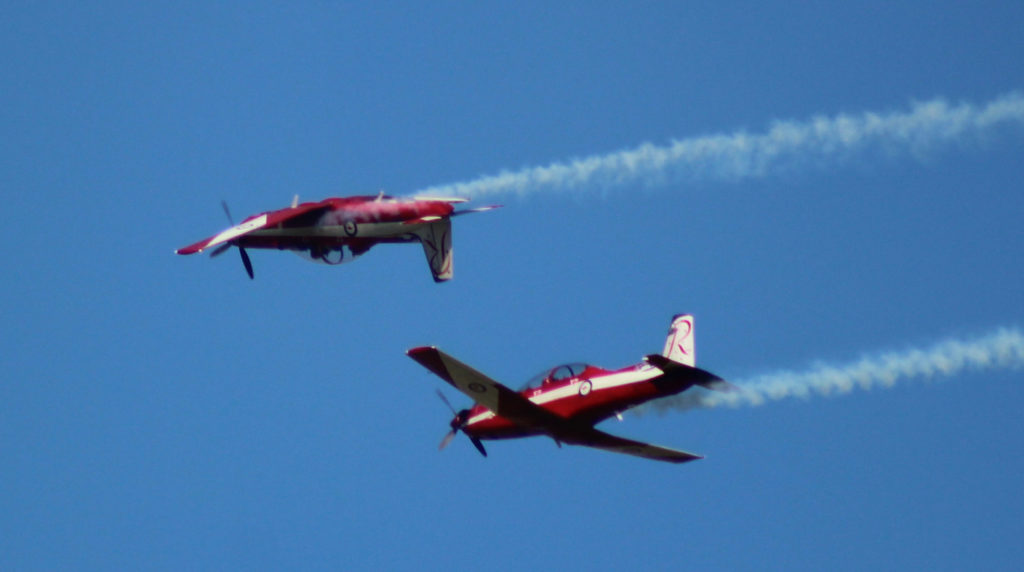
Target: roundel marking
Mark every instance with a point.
(351, 228)
(585, 387)
(477, 387)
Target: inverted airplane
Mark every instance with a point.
(341, 229)
(566, 402)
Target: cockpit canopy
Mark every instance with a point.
(555, 374)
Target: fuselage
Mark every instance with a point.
(358, 222)
(582, 393)
(341, 229)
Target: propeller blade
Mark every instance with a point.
(227, 211)
(220, 250)
(458, 423)
(446, 402)
(447, 439)
(246, 262)
(479, 446)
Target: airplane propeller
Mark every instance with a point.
(456, 422)
(459, 422)
(479, 446)
(447, 439)
(220, 250)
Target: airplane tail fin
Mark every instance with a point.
(679, 358)
(680, 346)
(436, 238)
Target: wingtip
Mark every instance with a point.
(192, 248)
(724, 386)
(687, 456)
(430, 358)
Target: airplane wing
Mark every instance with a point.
(264, 220)
(522, 411)
(487, 392)
(604, 441)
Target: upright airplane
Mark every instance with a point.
(567, 401)
(341, 229)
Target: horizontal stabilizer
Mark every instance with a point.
(422, 220)
(453, 200)
(694, 375)
(476, 210)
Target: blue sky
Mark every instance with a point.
(164, 412)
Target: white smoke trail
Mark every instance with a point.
(740, 155)
(999, 350)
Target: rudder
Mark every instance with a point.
(436, 238)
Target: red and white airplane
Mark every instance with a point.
(566, 402)
(341, 229)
